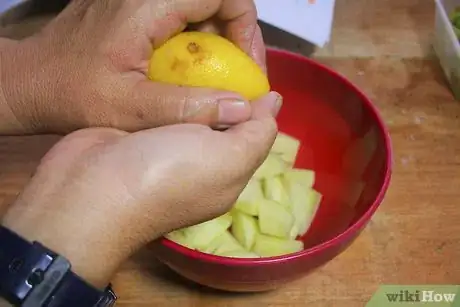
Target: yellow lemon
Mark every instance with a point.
(207, 60)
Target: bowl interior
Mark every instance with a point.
(343, 141)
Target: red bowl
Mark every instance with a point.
(345, 141)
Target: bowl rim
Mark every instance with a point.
(337, 240)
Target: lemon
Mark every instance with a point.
(199, 59)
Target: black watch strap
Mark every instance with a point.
(33, 276)
(73, 292)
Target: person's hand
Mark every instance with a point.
(88, 67)
(101, 194)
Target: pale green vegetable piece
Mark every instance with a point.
(248, 201)
(239, 254)
(274, 190)
(223, 244)
(201, 235)
(277, 205)
(268, 246)
(299, 205)
(303, 177)
(244, 229)
(304, 202)
(275, 219)
(314, 199)
(286, 147)
(294, 233)
(272, 166)
(178, 237)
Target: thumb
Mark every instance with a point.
(252, 140)
(164, 104)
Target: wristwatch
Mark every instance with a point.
(31, 275)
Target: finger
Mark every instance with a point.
(258, 50)
(170, 17)
(250, 142)
(208, 26)
(268, 106)
(241, 21)
(158, 104)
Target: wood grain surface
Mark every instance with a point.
(384, 46)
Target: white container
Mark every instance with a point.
(309, 20)
(446, 44)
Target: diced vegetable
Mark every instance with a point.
(248, 201)
(240, 254)
(294, 233)
(200, 236)
(274, 190)
(276, 207)
(267, 246)
(222, 244)
(454, 17)
(303, 177)
(314, 199)
(244, 229)
(275, 219)
(304, 203)
(272, 166)
(178, 236)
(286, 147)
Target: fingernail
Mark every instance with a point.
(278, 103)
(222, 127)
(233, 111)
(273, 102)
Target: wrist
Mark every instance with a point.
(93, 263)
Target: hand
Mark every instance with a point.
(88, 67)
(100, 194)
